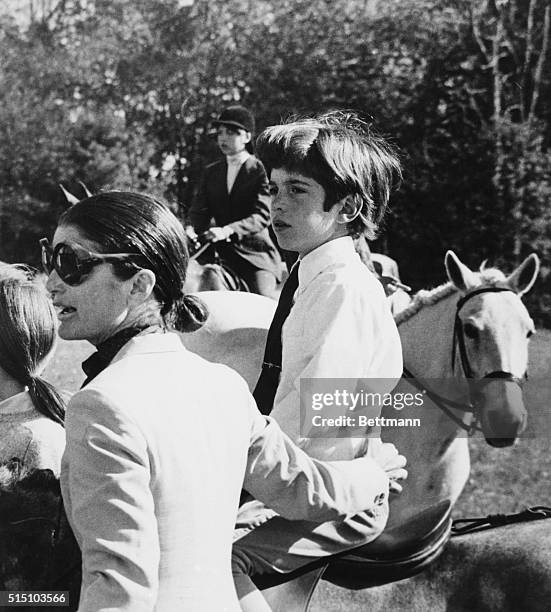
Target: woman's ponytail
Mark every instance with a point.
(188, 313)
(46, 399)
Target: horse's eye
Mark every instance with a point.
(470, 331)
(529, 333)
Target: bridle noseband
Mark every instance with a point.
(475, 386)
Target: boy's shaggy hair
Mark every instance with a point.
(343, 154)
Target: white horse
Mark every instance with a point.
(481, 316)
(469, 338)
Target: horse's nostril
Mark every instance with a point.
(502, 429)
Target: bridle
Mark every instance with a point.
(475, 385)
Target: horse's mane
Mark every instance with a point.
(488, 277)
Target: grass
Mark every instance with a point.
(64, 369)
(507, 480)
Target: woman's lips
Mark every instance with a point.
(277, 224)
(64, 312)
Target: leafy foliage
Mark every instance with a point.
(122, 94)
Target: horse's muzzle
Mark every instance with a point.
(501, 411)
(501, 442)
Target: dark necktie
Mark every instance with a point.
(266, 387)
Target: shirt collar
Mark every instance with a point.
(238, 159)
(315, 262)
(16, 403)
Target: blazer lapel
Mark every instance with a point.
(217, 186)
(221, 178)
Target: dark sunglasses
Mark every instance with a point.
(73, 262)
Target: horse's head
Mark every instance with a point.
(491, 343)
(37, 548)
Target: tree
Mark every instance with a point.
(513, 39)
(123, 94)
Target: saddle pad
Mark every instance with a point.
(398, 553)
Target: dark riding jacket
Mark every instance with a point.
(246, 209)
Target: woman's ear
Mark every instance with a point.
(143, 283)
(350, 208)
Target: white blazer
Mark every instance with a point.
(158, 447)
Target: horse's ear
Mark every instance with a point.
(522, 279)
(458, 273)
(86, 190)
(71, 199)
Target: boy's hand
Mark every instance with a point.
(215, 234)
(388, 457)
(191, 233)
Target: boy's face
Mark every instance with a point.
(298, 218)
(232, 140)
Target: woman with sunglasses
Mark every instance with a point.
(31, 410)
(160, 441)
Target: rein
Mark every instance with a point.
(475, 386)
(442, 402)
(200, 251)
(470, 525)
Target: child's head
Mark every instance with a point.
(343, 155)
(234, 130)
(28, 325)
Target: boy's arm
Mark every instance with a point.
(298, 487)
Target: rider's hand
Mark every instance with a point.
(191, 233)
(389, 285)
(388, 457)
(215, 234)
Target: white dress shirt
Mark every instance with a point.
(234, 164)
(340, 326)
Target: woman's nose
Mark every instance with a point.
(53, 283)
